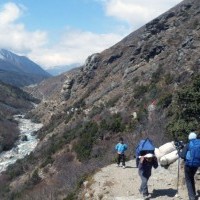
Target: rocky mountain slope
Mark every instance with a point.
(145, 85)
(19, 70)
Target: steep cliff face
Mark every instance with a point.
(131, 89)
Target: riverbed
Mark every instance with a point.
(21, 147)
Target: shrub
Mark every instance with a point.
(165, 100)
(168, 78)
(33, 180)
(140, 91)
(71, 196)
(84, 145)
(96, 110)
(185, 111)
(156, 75)
(113, 101)
(16, 169)
(116, 125)
(48, 160)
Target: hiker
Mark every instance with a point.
(191, 155)
(144, 169)
(121, 148)
(144, 146)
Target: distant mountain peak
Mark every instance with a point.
(17, 69)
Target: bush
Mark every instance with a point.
(140, 91)
(185, 111)
(116, 125)
(113, 101)
(165, 100)
(33, 180)
(15, 169)
(71, 196)
(156, 75)
(84, 145)
(168, 78)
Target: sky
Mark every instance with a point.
(64, 32)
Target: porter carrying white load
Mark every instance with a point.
(166, 154)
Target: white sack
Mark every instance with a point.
(166, 148)
(157, 153)
(169, 158)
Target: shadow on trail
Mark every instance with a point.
(131, 167)
(163, 192)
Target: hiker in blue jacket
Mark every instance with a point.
(144, 169)
(191, 155)
(121, 148)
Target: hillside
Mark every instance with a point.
(145, 85)
(19, 70)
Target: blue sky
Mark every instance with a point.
(64, 32)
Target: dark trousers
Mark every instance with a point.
(190, 183)
(121, 158)
(143, 187)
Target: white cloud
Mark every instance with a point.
(13, 35)
(137, 12)
(74, 47)
(9, 13)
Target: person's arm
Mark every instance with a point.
(183, 153)
(125, 147)
(141, 161)
(155, 162)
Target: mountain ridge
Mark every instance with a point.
(19, 70)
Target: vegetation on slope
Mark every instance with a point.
(185, 111)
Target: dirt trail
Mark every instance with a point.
(116, 183)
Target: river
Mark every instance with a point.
(22, 148)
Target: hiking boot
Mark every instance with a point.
(146, 196)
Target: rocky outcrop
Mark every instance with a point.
(66, 89)
(91, 62)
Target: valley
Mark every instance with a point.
(146, 85)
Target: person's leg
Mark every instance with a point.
(143, 187)
(189, 178)
(123, 160)
(118, 159)
(193, 172)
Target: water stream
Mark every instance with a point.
(22, 148)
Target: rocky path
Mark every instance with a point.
(116, 183)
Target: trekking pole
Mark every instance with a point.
(177, 194)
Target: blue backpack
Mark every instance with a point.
(144, 147)
(193, 153)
